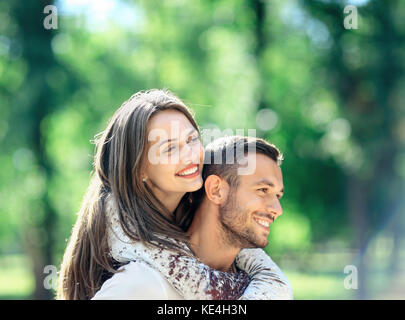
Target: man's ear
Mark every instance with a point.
(216, 189)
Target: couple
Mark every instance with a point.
(156, 223)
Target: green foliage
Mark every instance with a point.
(331, 99)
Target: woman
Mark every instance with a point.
(147, 162)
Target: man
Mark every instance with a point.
(236, 211)
(233, 211)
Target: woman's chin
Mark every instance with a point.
(191, 186)
(197, 187)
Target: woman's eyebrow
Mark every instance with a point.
(166, 141)
(192, 130)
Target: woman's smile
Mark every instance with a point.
(188, 172)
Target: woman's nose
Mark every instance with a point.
(191, 154)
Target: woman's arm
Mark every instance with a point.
(194, 280)
(267, 280)
(191, 278)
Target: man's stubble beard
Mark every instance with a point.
(233, 224)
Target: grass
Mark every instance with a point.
(318, 286)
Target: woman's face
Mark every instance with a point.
(175, 155)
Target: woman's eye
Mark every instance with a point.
(171, 148)
(193, 139)
(263, 190)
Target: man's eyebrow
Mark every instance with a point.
(170, 140)
(269, 183)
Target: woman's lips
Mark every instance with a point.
(190, 171)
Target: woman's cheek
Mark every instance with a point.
(202, 154)
(163, 172)
(174, 159)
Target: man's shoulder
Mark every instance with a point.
(135, 281)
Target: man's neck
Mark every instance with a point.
(207, 239)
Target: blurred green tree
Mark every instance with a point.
(33, 101)
(365, 69)
(331, 99)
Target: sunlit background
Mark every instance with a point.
(332, 99)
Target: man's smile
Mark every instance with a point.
(264, 223)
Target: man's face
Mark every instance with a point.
(254, 205)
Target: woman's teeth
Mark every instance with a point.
(189, 171)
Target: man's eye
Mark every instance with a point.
(263, 190)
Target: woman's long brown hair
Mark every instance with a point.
(119, 157)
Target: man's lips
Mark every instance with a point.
(189, 171)
(264, 222)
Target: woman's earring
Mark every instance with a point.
(144, 179)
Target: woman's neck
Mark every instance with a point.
(169, 199)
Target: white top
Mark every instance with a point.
(138, 281)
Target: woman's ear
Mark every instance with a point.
(216, 189)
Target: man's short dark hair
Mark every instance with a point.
(223, 156)
(216, 158)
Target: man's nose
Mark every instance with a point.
(274, 208)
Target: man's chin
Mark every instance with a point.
(258, 244)
(263, 242)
